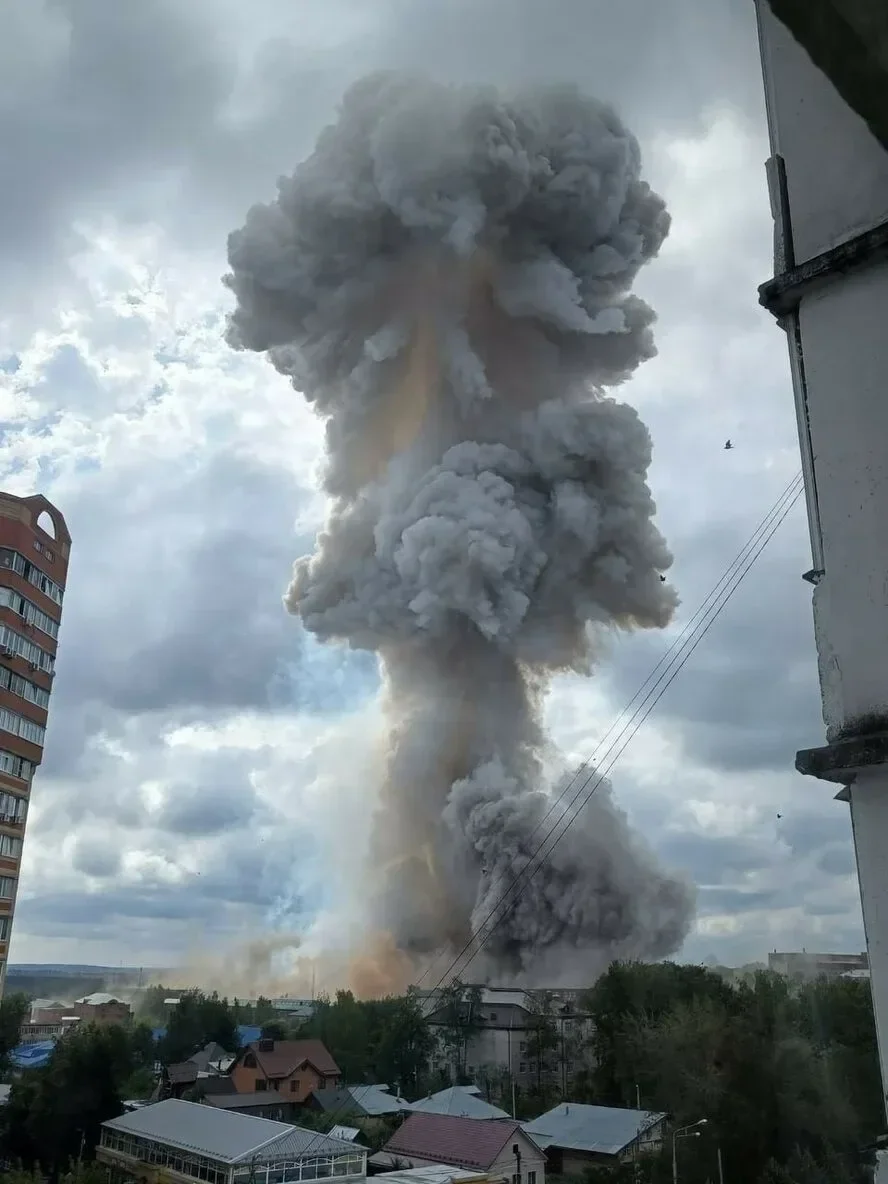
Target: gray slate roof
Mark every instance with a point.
(362, 1100)
(602, 1129)
(462, 1100)
(224, 1135)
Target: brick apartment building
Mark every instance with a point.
(34, 550)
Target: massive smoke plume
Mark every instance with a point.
(446, 279)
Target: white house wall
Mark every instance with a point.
(532, 1160)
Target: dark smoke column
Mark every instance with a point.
(446, 279)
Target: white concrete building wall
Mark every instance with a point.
(837, 187)
(836, 169)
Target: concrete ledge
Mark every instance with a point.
(783, 294)
(841, 761)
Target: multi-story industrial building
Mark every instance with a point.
(805, 964)
(34, 549)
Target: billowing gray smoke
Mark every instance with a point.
(446, 279)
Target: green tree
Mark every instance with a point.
(402, 1043)
(459, 1011)
(150, 1006)
(14, 1010)
(627, 992)
(542, 1044)
(343, 1025)
(275, 1030)
(54, 1115)
(196, 1021)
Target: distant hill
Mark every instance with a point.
(57, 980)
(66, 970)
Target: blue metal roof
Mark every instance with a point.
(248, 1033)
(32, 1056)
(603, 1129)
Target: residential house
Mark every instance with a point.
(177, 1079)
(212, 1059)
(102, 1008)
(502, 1040)
(294, 1067)
(37, 1033)
(367, 1106)
(576, 1137)
(205, 1072)
(48, 1020)
(437, 1173)
(186, 1141)
(463, 1100)
(499, 1149)
(268, 1104)
(48, 1011)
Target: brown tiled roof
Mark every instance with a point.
(448, 1138)
(288, 1055)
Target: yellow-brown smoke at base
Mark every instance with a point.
(246, 971)
(406, 835)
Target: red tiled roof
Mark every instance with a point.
(449, 1138)
(288, 1055)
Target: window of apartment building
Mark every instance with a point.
(4, 928)
(522, 1068)
(10, 847)
(24, 567)
(29, 611)
(261, 1085)
(522, 1047)
(531, 1178)
(23, 687)
(7, 887)
(294, 1086)
(12, 808)
(18, 725)
(15, 766)
(22, 647)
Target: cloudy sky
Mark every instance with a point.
(208, 766)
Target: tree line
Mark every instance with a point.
(785, 1075)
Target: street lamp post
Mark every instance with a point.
(691, 1131)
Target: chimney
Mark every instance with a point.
(265, 1045)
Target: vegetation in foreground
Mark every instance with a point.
(786, 1075)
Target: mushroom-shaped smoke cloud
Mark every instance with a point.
(446, 279)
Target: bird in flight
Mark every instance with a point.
(728, 445)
